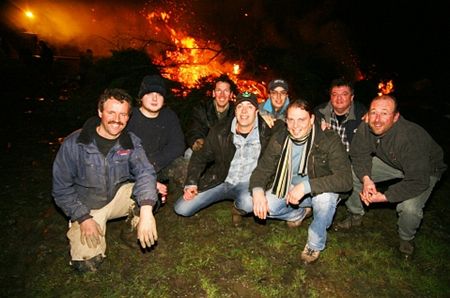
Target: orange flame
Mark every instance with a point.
(187, 60)
(385, 87)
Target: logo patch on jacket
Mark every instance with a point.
(123, 152)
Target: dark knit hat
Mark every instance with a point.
(278, 83)
(247, 96)
(153, 83)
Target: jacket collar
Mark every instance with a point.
(87, 133)
(327, 111)
(269, 107)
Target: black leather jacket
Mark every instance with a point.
(204, 116)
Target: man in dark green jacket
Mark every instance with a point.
(390, 147)
(302, 167)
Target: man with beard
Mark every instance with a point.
(232, 148)
(97, 171)
(302, 168)
(207, 114)
(390, 147)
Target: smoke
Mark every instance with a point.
(237, 30)
(101, 26)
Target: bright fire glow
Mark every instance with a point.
(29, 14)
(385, 87)
(236, 69)
(190, 59)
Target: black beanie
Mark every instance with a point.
(153, 83)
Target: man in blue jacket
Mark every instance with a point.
(275, 106)
(100, 174)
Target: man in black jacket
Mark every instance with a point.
(233, 147)
(158, 127)
(390, 147)
(207, 114)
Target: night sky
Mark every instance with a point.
(384, 39)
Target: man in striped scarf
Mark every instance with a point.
(302, 168)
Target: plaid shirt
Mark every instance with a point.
(246, 157)
(340, 129)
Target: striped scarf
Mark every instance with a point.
(283, 175)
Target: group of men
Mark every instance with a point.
(279, 159)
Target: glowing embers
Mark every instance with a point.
(385, 87)
(188, 60)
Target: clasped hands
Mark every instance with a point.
(370, 194)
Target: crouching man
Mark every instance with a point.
(302, 167)
(233, 148)
(96, 173)
(390, 147)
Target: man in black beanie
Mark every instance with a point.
(158, 127)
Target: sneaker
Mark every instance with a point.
(236, 216)
(406, 247)
(298, 222)
(309, 255)
(90, 265)
(352, 220)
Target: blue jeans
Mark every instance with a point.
(324, 208)
(203, 199)
(323, 205)
(410, 211)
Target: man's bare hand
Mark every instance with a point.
(369, 187)
(295, 194)
(198, 144)
(190, 192)
(374, 198)
(324, 125)
(270, 121)
(162, 189)
(260, 205)
(146, 228)
(91, 233)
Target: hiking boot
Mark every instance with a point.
(298, 222)
(236, 216)
(90, 265)
(406, 248)
(128, 233)
(352, 220)
(309, 255)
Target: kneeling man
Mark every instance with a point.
(302, 167)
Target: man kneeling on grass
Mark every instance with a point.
(302, 167)
(97, 171)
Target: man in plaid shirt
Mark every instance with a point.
(341, 114)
